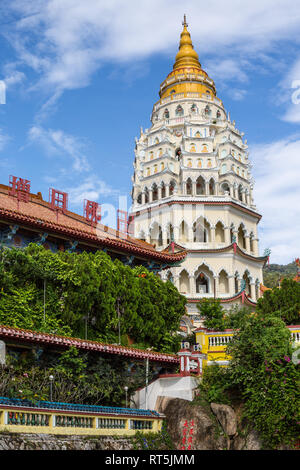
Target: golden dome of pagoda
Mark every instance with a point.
(187, 74)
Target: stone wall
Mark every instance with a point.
(16, 441)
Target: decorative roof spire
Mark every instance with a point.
(184, 21)
(186, 56)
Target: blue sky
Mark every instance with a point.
(82, 77)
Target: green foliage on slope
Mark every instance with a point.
(273, 273)
(87, 292)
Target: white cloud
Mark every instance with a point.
(66, 41)
(92, 188)
(57, 142)
(277, 195)
(4, 139)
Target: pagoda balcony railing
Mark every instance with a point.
(17, 415)
(189, 95)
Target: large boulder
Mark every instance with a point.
(226, 417)
(205, 435)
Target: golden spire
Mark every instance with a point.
(186, 56)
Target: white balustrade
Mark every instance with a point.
(219, 340)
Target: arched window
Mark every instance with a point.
(225, 188)
(160, 152)
(179, 110)
(148, 171)
(236, 282)
(155, 168)
(194, 108)
(184, 282)
(189, 163)
(241, 237)
(202, 284)
(209, 164)
(223, 282)
(204, 148)
(151, 155)
(197, 134)
(192, 148)
(189, 187)
(154, 193)
(171, 188)
(162, 166)
(223, 153)
(146, 195)
(223, 168)
(220, 233)
(139, 199)
(154, 233)
(156, 141)
(200, 186)
(240, 192)
(170, 277)
(218, 114)
(201, 230)
(212, 186)
(246, 278)
(207, 111)
(166, 114)
(183, 232)
(178, 153)
(163, 190)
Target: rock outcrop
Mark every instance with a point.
(214, 428)
(226, 417)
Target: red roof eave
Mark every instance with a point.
(121, 244)
(36, 337)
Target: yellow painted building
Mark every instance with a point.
(213, 344)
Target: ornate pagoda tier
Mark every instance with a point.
(192, 189)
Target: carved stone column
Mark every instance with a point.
(255, 246)
(231, 285)
(164, 237)
(247, 242)
(192, 285)
(227, 236)
(194, 188)
(213, 234)
(216, 287)
(206, 188)
(176, 233)
(252, 291)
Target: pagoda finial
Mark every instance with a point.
(186, 57)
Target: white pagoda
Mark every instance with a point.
(192, 190)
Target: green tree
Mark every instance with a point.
(283, 302)
(213, 313)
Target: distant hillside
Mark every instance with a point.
(274, 272)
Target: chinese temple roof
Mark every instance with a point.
(44, 339)
(40, 216)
